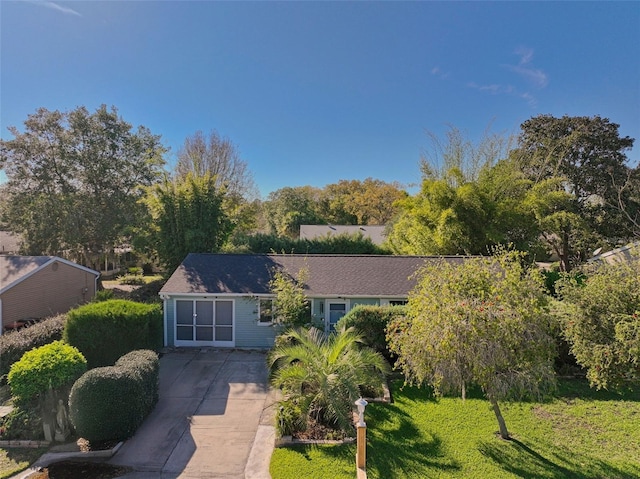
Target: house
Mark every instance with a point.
(627, 253)
(224, 300)
(35, 287)
(375, 233)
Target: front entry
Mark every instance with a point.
(336, 310)
(204, 323)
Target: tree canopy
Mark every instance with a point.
(483, 321)
(74, 181)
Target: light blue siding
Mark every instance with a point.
(249, 334)
(170, 318)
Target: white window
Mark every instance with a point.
(265, 311)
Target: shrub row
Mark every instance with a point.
(107, 330)
(13, 345)
(110, 403)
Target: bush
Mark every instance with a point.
(131, 279)
(103, 295)
(105, 331)
(13, 345)
(110, 403)
(56, 365)
(22, 423)
(371, 323)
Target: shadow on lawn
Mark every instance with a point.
(525, 461)
(403, 448)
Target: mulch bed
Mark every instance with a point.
(80, 470)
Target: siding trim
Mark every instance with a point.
(44, 265)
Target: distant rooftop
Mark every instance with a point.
(9, 243)
(374, 233)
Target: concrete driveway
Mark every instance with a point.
(213, 419)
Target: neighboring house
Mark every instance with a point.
(625, 253)
(35, 287)
(224, 300)
(374, 233)
(9, 243)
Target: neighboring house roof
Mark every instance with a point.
(14, 269)
(375, 233)
(329, 275)
(624, 253)
(9, 242)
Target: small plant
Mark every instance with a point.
(103, 295)
(131, 279)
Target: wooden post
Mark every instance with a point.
(361, 452)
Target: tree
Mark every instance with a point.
(447, 216)
(75, 179)
(590, 155)
(483, 321)
(291, 306)
(188, 217)
(323, 375)
(218, 156)
(289, 207)
(368, 202)
(600, 318)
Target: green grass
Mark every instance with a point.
(580, 434)
(14, 460)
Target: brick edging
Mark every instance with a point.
(24, 443)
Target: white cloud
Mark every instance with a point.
(55, 6)
(436, 71)
(497, 89)
(533, 75)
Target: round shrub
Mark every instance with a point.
(107, 330)
(104, 405)
(371, 322)
(110, 403)
(14, 344)
(56, 365)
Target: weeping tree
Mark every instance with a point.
(481, 322)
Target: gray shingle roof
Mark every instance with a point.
(329, 275)
(374, 233)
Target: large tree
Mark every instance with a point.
(590, 155)
(188, 217)
(355, 202)
(600, 316)
(75, 180)
(289, 207)
(484, 322)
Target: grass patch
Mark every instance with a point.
(14, 460)
(580, 434)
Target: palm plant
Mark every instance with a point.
(322, 375)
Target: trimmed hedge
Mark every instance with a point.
(110, 403)
(371, 322)
(56, 365)
(14, 344)
(107, 330)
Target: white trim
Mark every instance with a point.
(327, 309)
(264, 323)
(51, 260)
(165, 318)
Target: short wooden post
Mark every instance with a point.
(361, 453)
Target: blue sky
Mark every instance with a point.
(315, 92)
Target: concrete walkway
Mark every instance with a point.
(213, 419)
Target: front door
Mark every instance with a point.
(336, 310)
(204, 323)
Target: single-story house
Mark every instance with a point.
(35, 287)
(224, 300)
(375, 233)
(625, 253)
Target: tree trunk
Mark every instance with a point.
(504, 433)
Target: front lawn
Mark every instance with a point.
(14, 460)
(580, 434)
